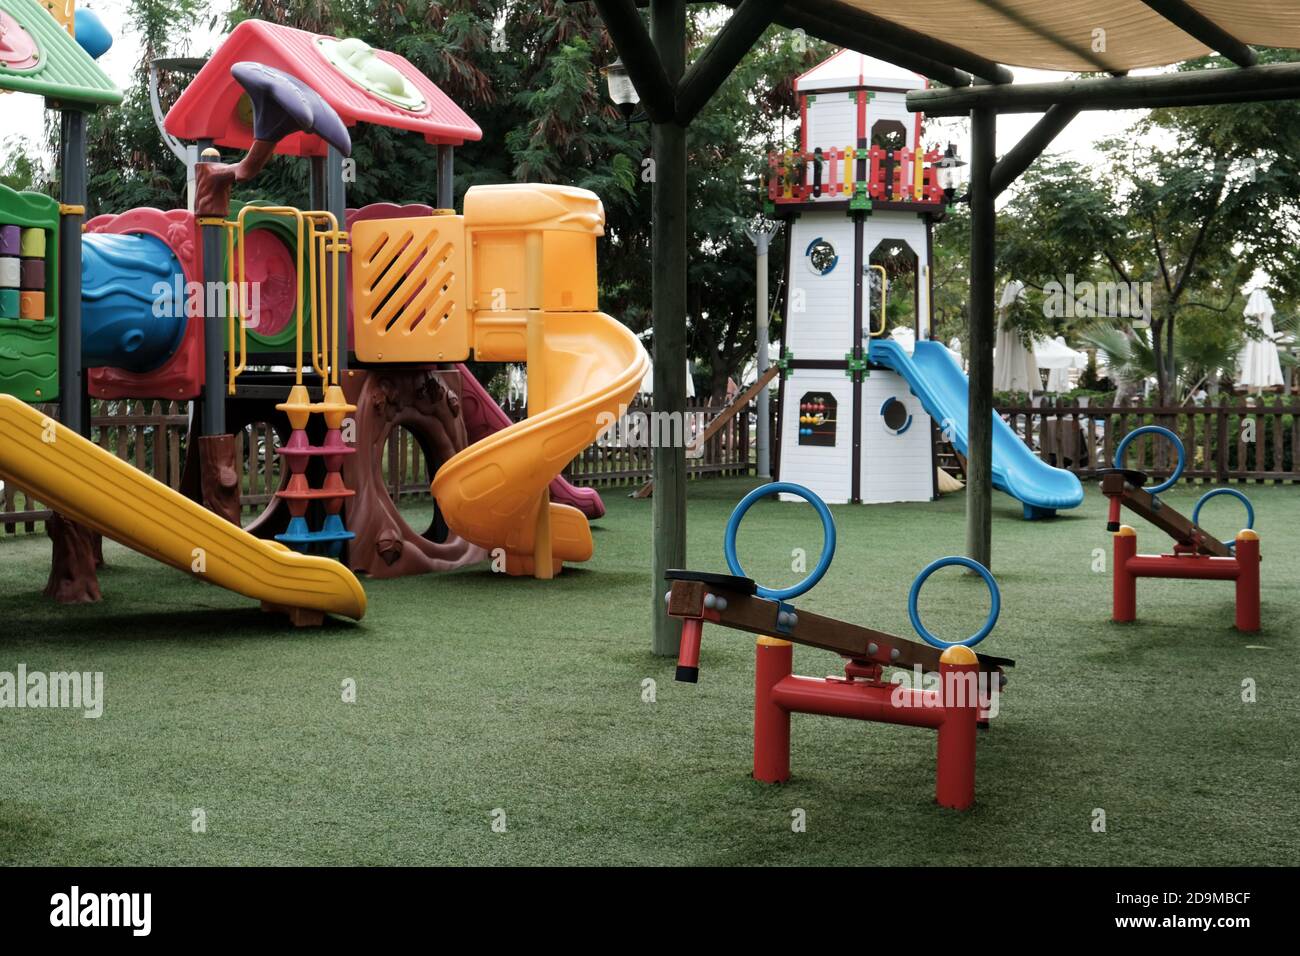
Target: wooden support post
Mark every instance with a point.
(872, 33)
(1010, 167)
(724, 52)
(1190, 20)
(648, 68)
(979, 451)
(668, 144)
(543, 566)
(839, 28)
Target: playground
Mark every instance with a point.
(344, 598)
(534, 706)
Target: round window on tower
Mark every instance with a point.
(821, 256)
(895, 416)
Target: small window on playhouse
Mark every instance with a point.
(901, 265)
(895, 416)
(817, 419)
(889, 134)
(821, 256)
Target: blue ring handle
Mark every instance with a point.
(828, 538)
(1250, 510)
(1154, 430)
(915, 593)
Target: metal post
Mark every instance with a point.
(72, 192)
(446, 177)
(336, 201)
(316, 183)
(761, 236)
(668, 143)
(979, 452)
(214, 326)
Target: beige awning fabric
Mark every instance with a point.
(1084, 35)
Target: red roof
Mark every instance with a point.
(208, 109)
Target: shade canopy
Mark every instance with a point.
(1102, 35)
(1058, 359)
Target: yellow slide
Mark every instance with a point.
(80, 480)
(512, 280)
(492, 493)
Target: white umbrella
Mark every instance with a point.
(516, 384)
(1258, 365)
(1058, 358)
(1013, 365)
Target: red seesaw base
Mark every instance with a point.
(953, 710)
(1243, 568)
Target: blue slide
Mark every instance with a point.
(937, 380)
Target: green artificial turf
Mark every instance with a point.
(478, 693)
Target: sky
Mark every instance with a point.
(24, 114)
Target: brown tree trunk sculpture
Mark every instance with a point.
(426, 403)
(73, 562)
(219, 474)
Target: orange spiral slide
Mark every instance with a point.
(512, 280)
(494, 493)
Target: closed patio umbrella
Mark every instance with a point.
(1257, 365)
(1013, 364)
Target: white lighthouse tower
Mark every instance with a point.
(861, 193)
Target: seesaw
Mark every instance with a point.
(1196, 555)
(954, 708)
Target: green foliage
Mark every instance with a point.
(17, 169)
(1192, 202)
(128, 164)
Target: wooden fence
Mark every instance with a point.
(1232, 441)
(151, 435)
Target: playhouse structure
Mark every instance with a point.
(865, 392)
(861, 194)
(336, 326)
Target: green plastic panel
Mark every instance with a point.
(66, 72)
(29, 350)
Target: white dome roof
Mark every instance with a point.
(850, 69)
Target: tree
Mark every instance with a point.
(1186, 209)
(18, 170)
(128, 164)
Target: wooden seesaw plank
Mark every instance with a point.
(748, 612)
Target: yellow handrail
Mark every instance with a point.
(884, 300)
(319, 245)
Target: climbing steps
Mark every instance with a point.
(298, 453)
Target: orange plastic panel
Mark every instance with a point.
(570, 259)
(31, 305)
(501, 336)
(408, 290)
(498, 222)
